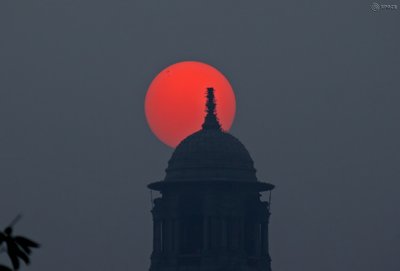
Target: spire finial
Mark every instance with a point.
(211, 120)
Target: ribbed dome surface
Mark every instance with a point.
(210, 154)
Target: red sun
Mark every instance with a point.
(175, 102)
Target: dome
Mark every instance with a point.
(210, 154)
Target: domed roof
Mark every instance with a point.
(210, 154)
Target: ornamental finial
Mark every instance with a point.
(211, 121)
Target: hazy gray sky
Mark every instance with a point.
(317, 87)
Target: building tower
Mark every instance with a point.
(209, 216)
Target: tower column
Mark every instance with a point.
(257, 239)
(224, 234)
(157, 236)
(206, 233)
(264, 238)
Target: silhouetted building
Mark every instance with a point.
(210, 216)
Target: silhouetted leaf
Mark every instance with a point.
(5, 268)
(22, 241)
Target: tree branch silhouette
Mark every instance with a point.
(17, 247)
